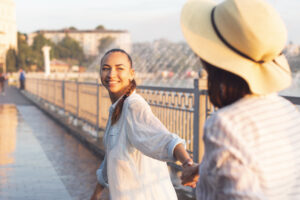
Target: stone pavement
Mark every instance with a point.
(38, 158)
(26, 173)
(41, 160)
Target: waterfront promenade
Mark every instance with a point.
(38, 158)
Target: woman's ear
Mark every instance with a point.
(132, 74)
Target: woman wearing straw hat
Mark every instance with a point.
(252, 143)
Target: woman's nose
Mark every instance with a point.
(112, 72)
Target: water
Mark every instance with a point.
(294, 89)
(161, 63)
(169, 64)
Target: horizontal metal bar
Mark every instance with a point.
(294, 100)
(169, 89)
(173, 108)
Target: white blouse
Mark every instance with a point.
(135, 148)
(252, 151)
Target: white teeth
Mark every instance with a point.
(112, 81)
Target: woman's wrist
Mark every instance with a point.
(188, 162)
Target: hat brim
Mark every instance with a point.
(199, 33)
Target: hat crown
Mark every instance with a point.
(252, 27)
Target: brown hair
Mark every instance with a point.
(118, 109)
(224, 88)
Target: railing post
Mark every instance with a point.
(37, 87)
(196, 121)
(54, 95)
(98, 117)
(63, 95)
(200, 113)
(77, 106)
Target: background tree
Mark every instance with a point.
(72, 28)
(11, 60)
(24, 53)
(105, 43)
(36, 56)
(68, 48)
(100, 27)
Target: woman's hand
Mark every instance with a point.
(190, 175)
(100, 193)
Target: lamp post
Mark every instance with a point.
(46, 50)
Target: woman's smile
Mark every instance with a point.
(116, 73)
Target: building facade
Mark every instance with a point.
(8, 29)
(88, 39)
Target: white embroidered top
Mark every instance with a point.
(135, 148)
(252, 151)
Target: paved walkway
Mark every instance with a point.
(39, 159)
(26, 172)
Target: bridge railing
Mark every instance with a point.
(182, 110)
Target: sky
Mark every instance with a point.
(146, 20)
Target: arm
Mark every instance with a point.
(97, 192)
(102, 180)
(189, 175)
(146, 133)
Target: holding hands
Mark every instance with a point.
(190, 173)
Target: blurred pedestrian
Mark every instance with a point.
(2, 83)
(252, 142)
(137, 144)
(22, 79)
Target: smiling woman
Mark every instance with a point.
(137, 144)
(116, 73)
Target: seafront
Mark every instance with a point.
(43, 159)
(38, 158)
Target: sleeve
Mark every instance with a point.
(226, 167)
(102, 173)
(147, 134)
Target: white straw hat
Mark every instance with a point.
(244, 37)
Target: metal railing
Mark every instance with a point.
(182, 110)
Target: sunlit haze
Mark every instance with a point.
(146, 20)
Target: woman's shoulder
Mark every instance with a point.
(135, 100)
(235, 113)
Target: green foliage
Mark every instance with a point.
(36, 55)
(11, 60)
(105, 43)
(100, 27)
(24, 53)
(72, 28)
(69, 48)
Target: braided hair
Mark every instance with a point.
(118, 109)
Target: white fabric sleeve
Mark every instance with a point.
(147, 134)
(102, 173)
(225, 168)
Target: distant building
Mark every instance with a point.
(88, 39)
(59, 66)
(8, 29)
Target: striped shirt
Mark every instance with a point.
(252, 151)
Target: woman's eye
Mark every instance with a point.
(120, 68)
(105, 68)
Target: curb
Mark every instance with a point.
(95, 145)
